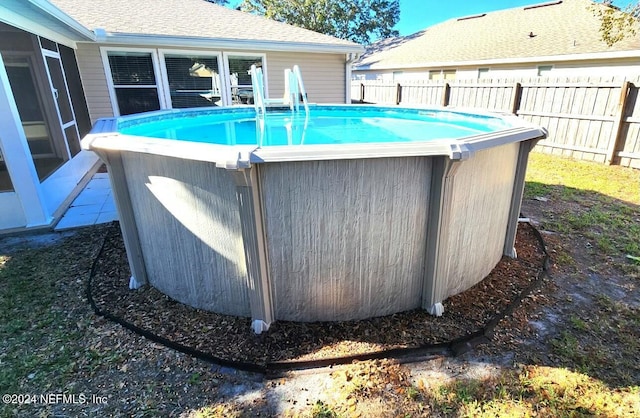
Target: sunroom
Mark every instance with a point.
(43, 115)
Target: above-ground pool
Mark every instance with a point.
(348, 213)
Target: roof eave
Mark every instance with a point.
(104, 37)
(56, 25)
(84, 33)
(634, 53)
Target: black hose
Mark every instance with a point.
(454, 347)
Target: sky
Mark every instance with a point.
(416, 15)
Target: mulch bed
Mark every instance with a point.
(230, 338)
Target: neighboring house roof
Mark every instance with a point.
(193, 22)
(554, 29)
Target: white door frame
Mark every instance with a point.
(57, 188)
(64, 125)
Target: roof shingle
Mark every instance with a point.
(188, 19)
(556, 28)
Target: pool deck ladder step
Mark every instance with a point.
(293, 90)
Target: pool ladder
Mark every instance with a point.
(293, 90)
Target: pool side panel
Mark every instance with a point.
(480, 202)
(346, 238)
(188, 222)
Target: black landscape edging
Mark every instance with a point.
(454, 347)
(249, 367)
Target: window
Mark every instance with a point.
(134, 81)
(240, 77)
(194, 80)
(397, 75)
(442, 75)
(146, 80)
(483, 73)
(449, 74)
(544, 70)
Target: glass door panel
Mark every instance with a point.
(60, 89)
(240, 78)
(73, 140)
(63, 103)
(5, 179)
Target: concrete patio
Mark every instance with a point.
(94, 205)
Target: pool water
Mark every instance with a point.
(321, 127)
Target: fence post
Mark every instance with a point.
(446, 92)
(398, 93)
(361, 92)
(515, 98)
(616, 132)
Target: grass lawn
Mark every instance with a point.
(598, 202)
(586, 364)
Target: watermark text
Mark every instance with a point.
(52, 398)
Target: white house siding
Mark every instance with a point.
(94, 81)
(323, 75)
(604, 68)
(627, 68)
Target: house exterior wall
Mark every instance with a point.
(94, 81)
(612, 67)
(323, 75)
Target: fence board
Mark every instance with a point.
(580, 113)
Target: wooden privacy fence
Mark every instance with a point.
(587, 118)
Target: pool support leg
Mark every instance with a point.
(516, 197)
(440, 198)
(118, 179)
(255, 249)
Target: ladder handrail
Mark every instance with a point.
(294, 88)
(257, 83)
(298, 74)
